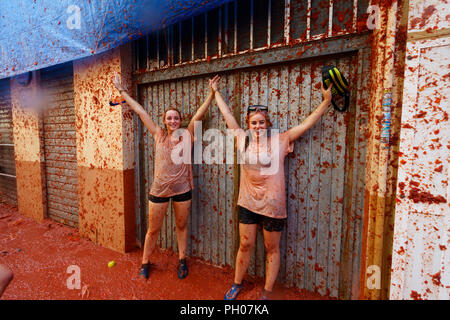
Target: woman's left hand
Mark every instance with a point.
(214, 83)
(326, 93)
(117, 83)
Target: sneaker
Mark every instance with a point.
(233, 292)
(182, 269)
(144, 271)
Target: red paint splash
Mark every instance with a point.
(416, 195)
(436, 278)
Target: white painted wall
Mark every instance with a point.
(420, 257)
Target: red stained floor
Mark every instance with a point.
(39, 255)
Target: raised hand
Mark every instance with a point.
(117, 82)
(214, 83)
(326, 93)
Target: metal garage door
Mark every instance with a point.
(324, 175)
(60, 145)
(8, 185)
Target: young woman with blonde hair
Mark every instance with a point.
(171, 180)
(262, 195)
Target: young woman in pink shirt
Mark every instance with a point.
(171, 180)
(262, 195)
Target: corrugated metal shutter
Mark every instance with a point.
(8, 185)
(324, 174)
(60, 144)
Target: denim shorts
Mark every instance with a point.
(177, 198)
(269, 224)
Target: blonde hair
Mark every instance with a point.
(247, 120)
(266, 116)
(164, 117)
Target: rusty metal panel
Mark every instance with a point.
(327, 184)
(292, 184)
(283, 109)
(149, 98)
(355, 177)
(206, 186)
(204, 200)
(8, 184)
(300, 101)
(60, 144)
(421, 232)
(232, 177)
(212, 121)
(313, 186)
(191, 92)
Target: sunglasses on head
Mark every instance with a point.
(257, 107)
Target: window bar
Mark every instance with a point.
(137, 46)
(308, 21)
(7, 175)
(287, 13)
(235, 26)
(355, 14)
(225, 36)
(206, 35)
(172, 45)
(251, 24)
(133, 60)
(219, 40)
(192, 38)
(330, 18)
(169, 45)
(147, 39)
(269, 22)
(179, 43)
(157, 50)
(6, 145)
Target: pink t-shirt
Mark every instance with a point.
(170, 178)
(262, 185)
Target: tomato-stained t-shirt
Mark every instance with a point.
(262, 184)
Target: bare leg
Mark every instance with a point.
(156, 214)
(247, 240)
(272, 244)
(6, 276)
(182, 210)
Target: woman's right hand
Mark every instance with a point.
(214, 84)
(117, 82)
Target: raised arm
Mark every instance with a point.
(136, 107)
(295, 132)
(223, 107)
(203, 108)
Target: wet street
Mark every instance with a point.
(40, 255)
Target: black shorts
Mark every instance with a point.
(269, 224)
(177, 198)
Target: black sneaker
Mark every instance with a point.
(182, 269)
